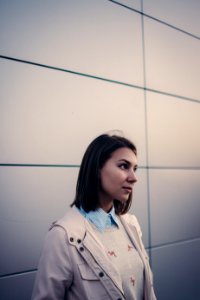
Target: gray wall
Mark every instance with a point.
(70, 70)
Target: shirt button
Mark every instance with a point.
(71, 239)
(78, 241)
(81, 249)
(101, 274)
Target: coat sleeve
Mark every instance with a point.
(54, 275)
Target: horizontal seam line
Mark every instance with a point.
(69, 71)
(171, 26)
(77, 166)
(157, 20)
(39, 165)
(17, 273)
(172, 167)
(175, 243)
(100, 78)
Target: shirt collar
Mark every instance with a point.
(100, 218)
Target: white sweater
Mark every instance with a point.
(125, 258)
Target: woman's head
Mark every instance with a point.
(97, 154)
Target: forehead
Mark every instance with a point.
(124, 154)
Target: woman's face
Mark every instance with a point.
(117, 177)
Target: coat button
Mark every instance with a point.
(101, 274)
(71, 239)
(81, 249)
(78, 241)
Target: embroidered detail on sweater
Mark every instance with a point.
(132, 280)
(112, 253)
(130, 248)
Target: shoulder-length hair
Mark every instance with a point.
(88, 183)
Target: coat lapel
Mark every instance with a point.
(132, 231)
(133, 235)
(97, 250)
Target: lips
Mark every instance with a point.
(127, 188)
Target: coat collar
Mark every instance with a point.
(77, 226)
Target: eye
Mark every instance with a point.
(135, 169)
(124, 166)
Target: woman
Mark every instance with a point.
(95, 251)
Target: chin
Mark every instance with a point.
(123, 200)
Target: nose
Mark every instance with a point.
(132, 178)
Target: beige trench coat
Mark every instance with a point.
(75, 266)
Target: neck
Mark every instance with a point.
(105, 204)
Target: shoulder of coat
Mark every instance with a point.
(131, 220)
(72, 222)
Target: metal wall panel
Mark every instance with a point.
(172, 60)
(177, 271)
(50, 117)
(178, 13)
(173, 131)
(91, 36)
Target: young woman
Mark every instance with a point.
(95, 251)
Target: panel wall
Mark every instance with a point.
(176, 270)
(61, 35)
(171, 41)
(35, 122)
(71, 70)
(181, 14)
(171, 60)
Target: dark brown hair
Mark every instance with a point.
(88, 183)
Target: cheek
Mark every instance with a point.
(112, 179)
(107, 179)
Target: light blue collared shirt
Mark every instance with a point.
(100, 218)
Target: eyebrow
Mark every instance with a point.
(128, 162)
